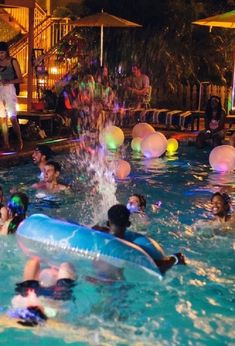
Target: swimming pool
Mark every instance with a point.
(193, 305)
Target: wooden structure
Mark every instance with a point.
(30, 5)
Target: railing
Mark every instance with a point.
(47, 34)
(21, 15)
(192, 96)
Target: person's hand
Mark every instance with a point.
(181, 258)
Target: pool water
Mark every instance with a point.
(192, 305)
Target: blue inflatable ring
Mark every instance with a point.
(56, 241)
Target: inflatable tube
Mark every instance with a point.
(57, 241)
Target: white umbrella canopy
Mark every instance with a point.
(104, 19)
(224, 20)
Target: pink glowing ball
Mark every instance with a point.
(222, 158)
(142, 130)
(154, 145)
(122, 169)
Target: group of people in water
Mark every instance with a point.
(57, 283)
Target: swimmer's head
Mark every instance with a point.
(42, 153)
(221, 204)
(118, 216)
(136, 203)
(18, 204)
(51, 171)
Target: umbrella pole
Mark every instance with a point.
(101, 44)
(233, 86)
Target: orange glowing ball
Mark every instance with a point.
(122, 169)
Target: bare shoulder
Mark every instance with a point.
(40, 185)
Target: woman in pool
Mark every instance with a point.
(17, 206)
(221, 208)
(214, 124)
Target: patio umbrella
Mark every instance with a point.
(224, 20)
(104, 19)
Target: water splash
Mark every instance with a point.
(93, 175)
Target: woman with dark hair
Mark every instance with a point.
(17, 206)
(10, 78)
(221, 207)
(214, 124)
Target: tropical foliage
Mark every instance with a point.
(170, 49)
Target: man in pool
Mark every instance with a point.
(50, 183)
(118, 221)
(41, 154)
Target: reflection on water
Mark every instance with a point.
(193, 305)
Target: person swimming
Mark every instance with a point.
(221, 207)
(17, 207)
(50, 183)
(136, 203)
(119, 221)
(33, 302)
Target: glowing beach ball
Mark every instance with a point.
(222, 158)
(112, 137)
(172, 145)
(122, 169)
(136, 144)
(154, 145)
(142, 130)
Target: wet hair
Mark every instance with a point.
(18, 204)
(226, 199)
(54, 164)
(119, 215)
(45, 150)
(209, 109)
(142, 200)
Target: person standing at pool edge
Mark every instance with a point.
(10, 75)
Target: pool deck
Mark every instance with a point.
(62, 143)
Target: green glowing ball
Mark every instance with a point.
(111, 137)
(136, 144)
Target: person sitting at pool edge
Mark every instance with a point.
(221, 208)
(51, 175)
(17, 206)
(118, 221)
(41, 154)
(50, 283)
